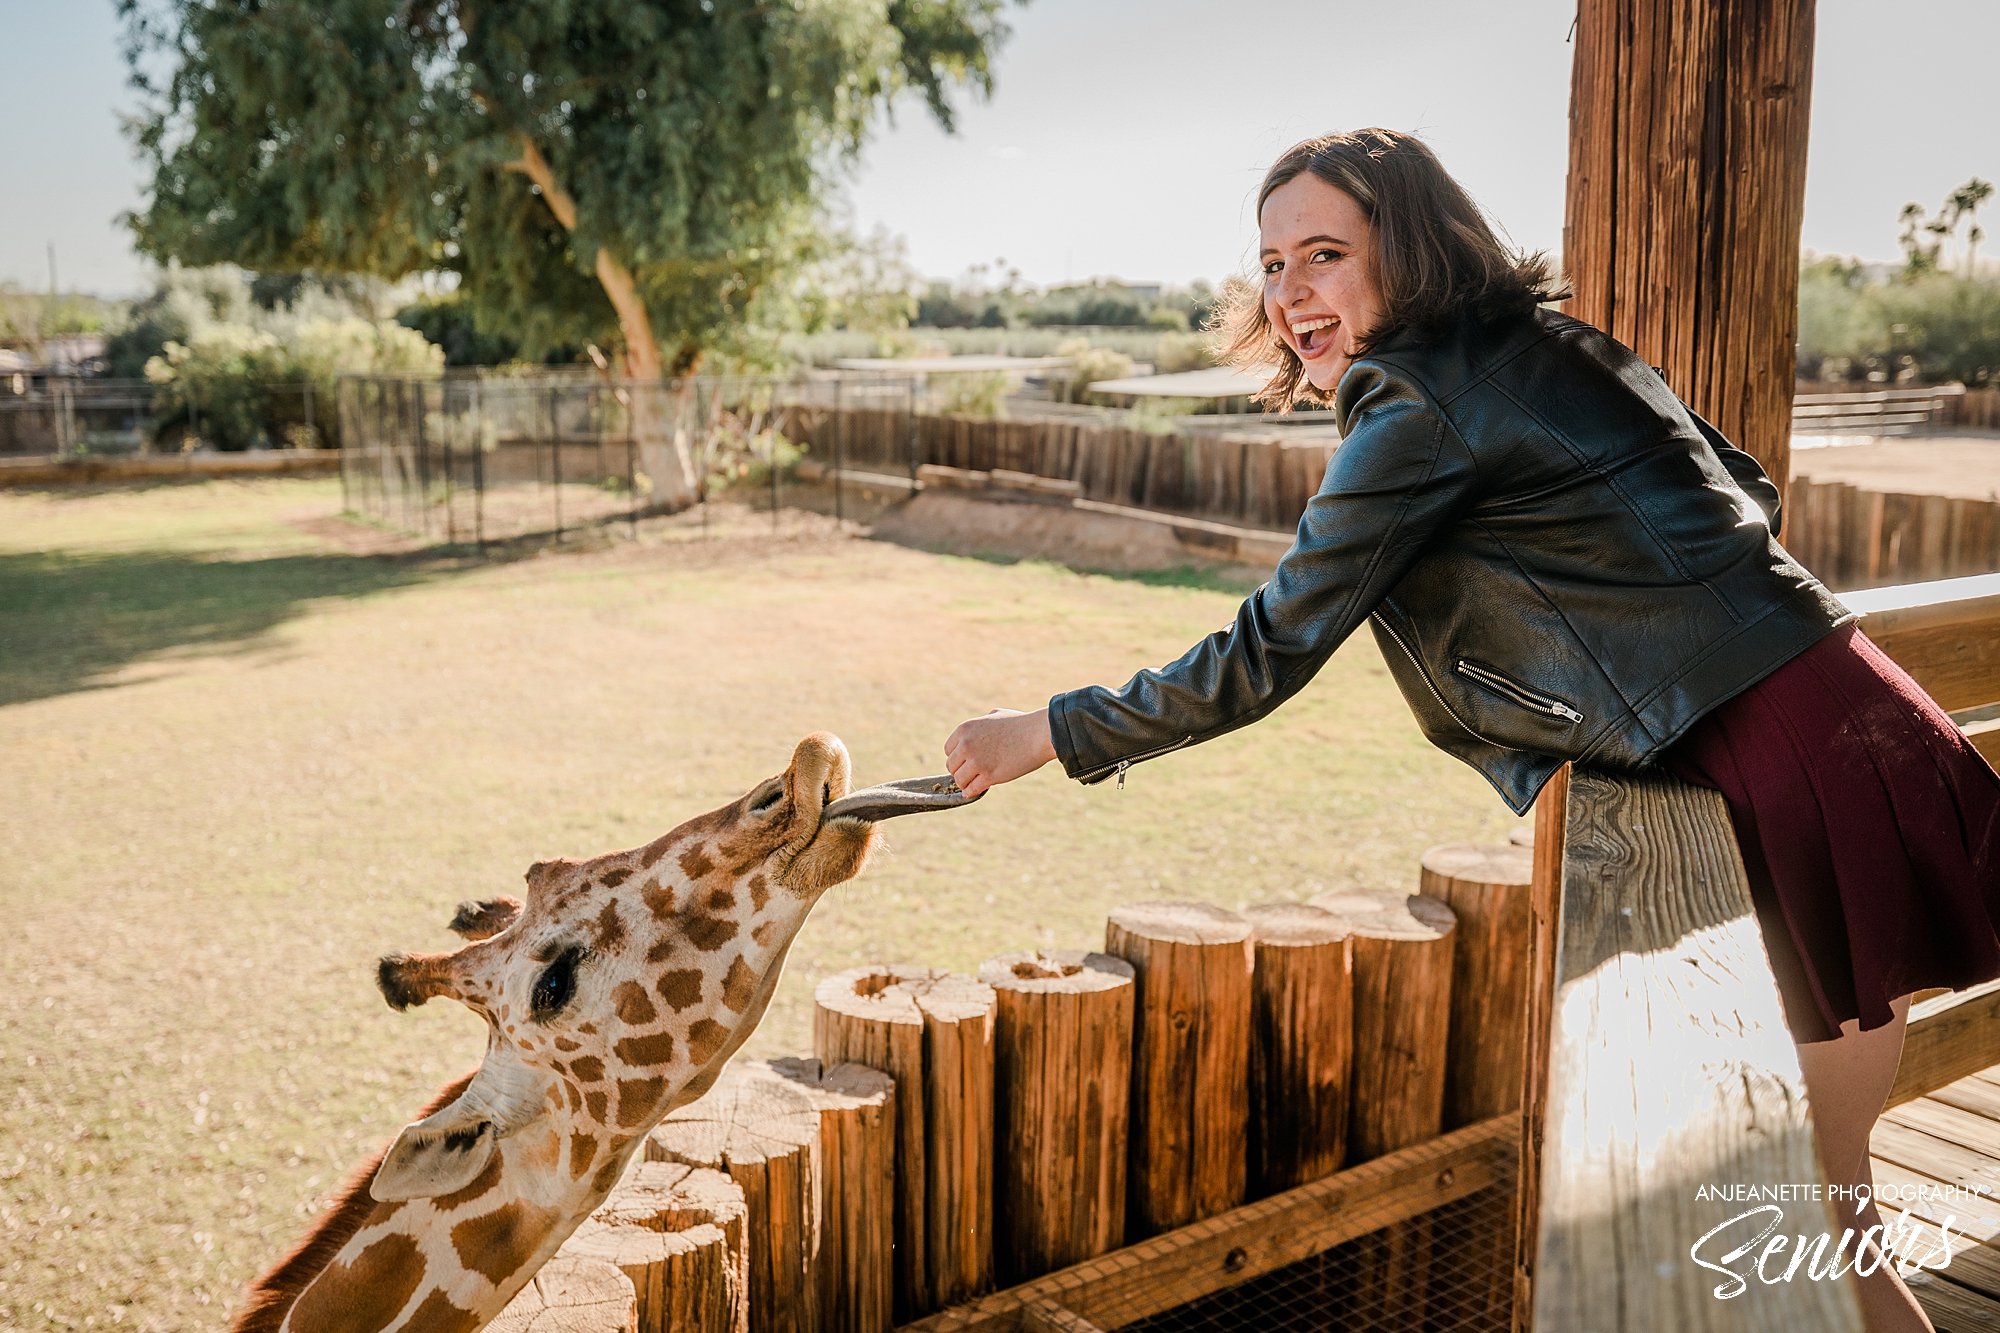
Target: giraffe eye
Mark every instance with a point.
(556, 987)
(767, 798)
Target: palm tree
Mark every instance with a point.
(1965, 202)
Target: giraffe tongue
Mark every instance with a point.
(909, 797)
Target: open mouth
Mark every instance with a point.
(1314, 335)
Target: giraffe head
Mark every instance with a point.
(623, 983)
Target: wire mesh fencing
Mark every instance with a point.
(478, 458)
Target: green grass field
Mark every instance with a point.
(239, 762)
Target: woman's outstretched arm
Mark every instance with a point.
(986, 751)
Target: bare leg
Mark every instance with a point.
(1847, 1081)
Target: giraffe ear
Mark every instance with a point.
(435, 1156)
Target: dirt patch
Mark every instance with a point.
(1962, 466)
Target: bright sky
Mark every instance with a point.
(1125, 137)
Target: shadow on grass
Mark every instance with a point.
(69, 619)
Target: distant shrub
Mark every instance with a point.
(972, 394)
(234, 387)
(1089, 364)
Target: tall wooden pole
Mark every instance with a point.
(1687, 170)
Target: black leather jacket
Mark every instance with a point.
(1559, 560)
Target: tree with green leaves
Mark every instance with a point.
(645, 175)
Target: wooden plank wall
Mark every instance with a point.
(1250, 481)
(1854, 538)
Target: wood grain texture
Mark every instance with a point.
(1205, 1257)
(1190, 1113)
(857, 1151)
(1487, 888)
(1670, 1068)
(1062, 1085)
(763, 1132)
(932, 1031)
(1686, 191)
(1544, 912)
(1947, 1038)
(572, 1295)
(1302, 1045)
(677, 1233)
(1403, 949)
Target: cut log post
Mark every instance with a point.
(1402, 1014)
(1062, 1092)
(1302, 1045)
(857, 1153)
(764, 1133)
(1486, 888)
(572, 1295)
(931, 1031)
(1190, 1061)
(677, 1232)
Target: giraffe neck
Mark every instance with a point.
(454, 1261)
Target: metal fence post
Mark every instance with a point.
(555, 456)
(913, 436)
(839, 454)
(423, 452)
(444, 411)
(631, 461)
(340, 392)
(479, 464)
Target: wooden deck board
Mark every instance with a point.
(1950, 1137)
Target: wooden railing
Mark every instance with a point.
(1874, 412)
(1658, 1056)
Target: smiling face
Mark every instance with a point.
(622, 985)
(1317, 251)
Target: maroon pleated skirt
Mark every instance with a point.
(1869, 826)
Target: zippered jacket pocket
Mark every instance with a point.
(1508, 688)
(1118, 768)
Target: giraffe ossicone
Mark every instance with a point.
(613, 993)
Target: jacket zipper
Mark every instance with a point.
(1519, 693)
(1119, 768)
(1470, 730)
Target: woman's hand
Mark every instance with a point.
(984, 752)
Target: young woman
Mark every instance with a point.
(1561, 562)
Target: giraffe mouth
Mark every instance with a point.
(910, 796)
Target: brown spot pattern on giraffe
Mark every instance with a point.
(695, 863)
(473, 1188)
(637, 1099)
(634, 1009)
(438, 1315)
(364, 1294)
(613, 878)
(705, 1038)
(659, 900)
(610, 927)
(582, 1147)
(721, 899)
(496, 1244)
(681, 988)
(760, 892)
(646, 1052)
(708, 933)
(588, 1068)
(739, 985)
(762, 935)
(597, 1102)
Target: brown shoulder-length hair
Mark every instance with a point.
(1436, 258)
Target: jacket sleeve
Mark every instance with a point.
(1745, 469)
(1400, 475)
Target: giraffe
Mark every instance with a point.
(615, 993)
